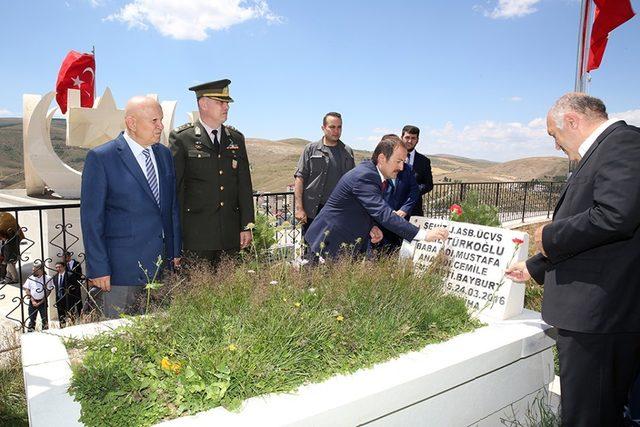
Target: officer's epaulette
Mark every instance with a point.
(233, 129)
(183, 127)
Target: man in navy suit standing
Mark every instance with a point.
(420, 164)
(401, 194)
(589, 262)
(350, 218)
(129, 209)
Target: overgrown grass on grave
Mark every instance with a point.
(13, 405)
(251, 329)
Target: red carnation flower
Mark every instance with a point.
(456, 209)
(517, 241)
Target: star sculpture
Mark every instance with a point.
(90, 127)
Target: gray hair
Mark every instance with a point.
(581, 103)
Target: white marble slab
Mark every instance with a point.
(493, 373)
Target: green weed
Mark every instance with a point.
(238, 332)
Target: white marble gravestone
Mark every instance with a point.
(474, 258)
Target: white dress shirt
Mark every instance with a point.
(137, 151)
(587, 143)
(411, 157)
(37, 285)
(210, 129)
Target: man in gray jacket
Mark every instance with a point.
(319, 169)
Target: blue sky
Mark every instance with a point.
(476, 76)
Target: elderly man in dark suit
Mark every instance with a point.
(589, 262)
(129, 211)
(349, 220)
(420, 164)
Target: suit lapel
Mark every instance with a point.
(584, 160)
(132, 164)
(224, 140)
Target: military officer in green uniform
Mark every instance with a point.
(213, 178)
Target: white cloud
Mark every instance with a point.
(506, 9)
(6, 113)
(632, 117)
(515, 99)
(378, 133)
(382, 131)
(97, 3)
(191, 19)
(370, 138)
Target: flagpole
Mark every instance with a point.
(93, 52)
(584, 37)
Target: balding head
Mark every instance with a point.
(143, 119)
(590, 108)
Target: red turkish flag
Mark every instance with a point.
(78, 71)
(610, 14)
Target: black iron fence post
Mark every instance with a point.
(524, 202)
(549, 199)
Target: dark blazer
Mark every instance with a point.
(405, 196)
(214, 189)
(407, 191)
(61, 289)
(591, 274)
(122, 224)
(424, 177)
(354, 207)
(74, 272)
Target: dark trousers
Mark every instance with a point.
(33, 313)
(68, 303)
(214, 256)
(634, 401)
(596, 373)
(303, 230)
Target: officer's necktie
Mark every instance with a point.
(216, 143)
(384, 186)
(151, 175)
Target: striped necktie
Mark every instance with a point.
(152, 178)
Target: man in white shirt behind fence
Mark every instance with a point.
(38, 287)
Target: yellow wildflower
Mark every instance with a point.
(165, 363)
(176, 368)
(339, 318)
(232, 347)
(297, 304)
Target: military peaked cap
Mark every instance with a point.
(216, 90)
